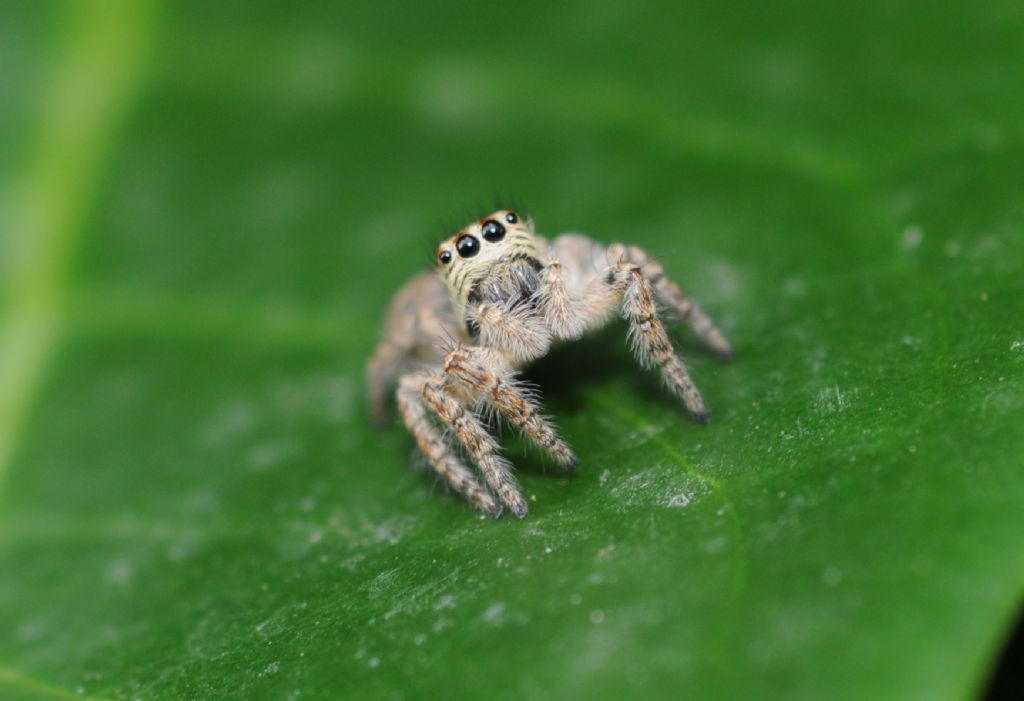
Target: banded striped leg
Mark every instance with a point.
(672, 297)
(432, 444)
(651, 344)
(478, 443)
(481, 375)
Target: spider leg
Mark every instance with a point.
(380, 372)
(432, 444)
(478, 443)
(560, 308)
(515, 330)
(481, 374)
(416, 317)
(671, 296)
(626, 282)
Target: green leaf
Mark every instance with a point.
(207, 208)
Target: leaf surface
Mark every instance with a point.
(201, 244)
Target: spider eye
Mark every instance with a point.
(467, 246)
(445, 257)
(512, 217)
(493, 231)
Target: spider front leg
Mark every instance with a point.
(672, 297)
(477, 442)
(482, 374)
(625, 281)
(432, 444)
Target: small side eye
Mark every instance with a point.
(493, 231)
(445, 257)
(512, 217)
(467, 246)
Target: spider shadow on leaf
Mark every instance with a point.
(563, 378)
(568, 370)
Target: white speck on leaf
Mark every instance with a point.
(641, 436)
(382, 582)
(495, 613)
(662, 486)
(832, 576)
(226, 424)
(912, 237)
(119, 572)
(794, 287)
(725, 280)
(832, 400)
(268, 455)
(715, 545)
(680, 501)
(447, 601)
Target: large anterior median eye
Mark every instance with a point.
(467, 246)
(493, 231)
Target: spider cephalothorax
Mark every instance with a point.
(505, 294)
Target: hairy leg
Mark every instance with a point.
(673, 298)
(560, 309)
(432, 444)
(482, 374)
(477, 442)
(380, 373)
(417, 319)
(626, 282)
(516, 331)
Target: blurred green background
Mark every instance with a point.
(204, 208)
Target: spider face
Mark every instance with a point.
(482, 249)
(485, 240)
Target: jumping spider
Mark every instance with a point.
(455, 338)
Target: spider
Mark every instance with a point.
(455, 338)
